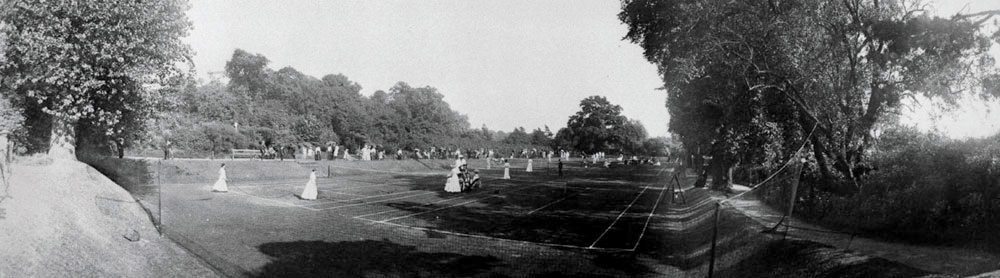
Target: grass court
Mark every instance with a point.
(591, 220)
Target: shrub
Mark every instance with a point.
(926, 188)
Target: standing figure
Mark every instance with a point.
(452, 185)
(220, 185)
(476, 182)
(506, 170)
(560, 167)
(528, 169)
(310, 192)
(166, 150)
(489, 161)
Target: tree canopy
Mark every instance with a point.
(93, 61)
(599, 126)
(747, 80)
(286, 107)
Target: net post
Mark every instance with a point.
(159, 199)
(715, 236)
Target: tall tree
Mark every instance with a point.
(600, 127)
(741, 70)
(87, 59)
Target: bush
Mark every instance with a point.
(926, 188)
(210, 138)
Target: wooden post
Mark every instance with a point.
(791, 201)
(159, 198)
(715, 236)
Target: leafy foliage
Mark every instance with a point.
(93, 61)
(287, 108)
(600, 127)
(924, 187)
(748, 80)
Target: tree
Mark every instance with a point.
(600, 127)
(630, 137)
(518, 137)
(81, 59)
(738, 71)
(656, 146)
(540, 137)
(248, 73)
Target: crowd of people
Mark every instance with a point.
(460, 178)
(332, 150)
(368, 152)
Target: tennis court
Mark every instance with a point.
(534, 208)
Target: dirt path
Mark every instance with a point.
(938, 259)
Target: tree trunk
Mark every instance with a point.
(62, 143)
(721, 171)
(121, 149)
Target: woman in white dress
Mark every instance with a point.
(452, 185)
(220, 185)
(528, 169)
(506, 170)
(310, 192)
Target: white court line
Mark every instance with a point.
(552, 203)
(644, 226)
(361, 186)
(435, 202)
(383, 171)
(369, 197)
(500, 239)
(376, 202)
(341, 193)
(455, 205)
(617, 218)
(274, 201)
(292, 184)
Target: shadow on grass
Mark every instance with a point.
(799, 258)
(133, 175)
(366, 258)
(625, 262)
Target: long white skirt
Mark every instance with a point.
(220, 185)
(506, 173)
(452, 184)
(528, 169)
(310, 192)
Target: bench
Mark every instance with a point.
(250, 153)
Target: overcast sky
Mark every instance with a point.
(503, 63)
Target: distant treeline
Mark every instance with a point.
(286, 108)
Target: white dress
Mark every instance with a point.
(528, 169)
(506, 170)
(451, 185)
(310, 192)
(220, 185)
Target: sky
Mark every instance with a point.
(974, 117)
(504, 64)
